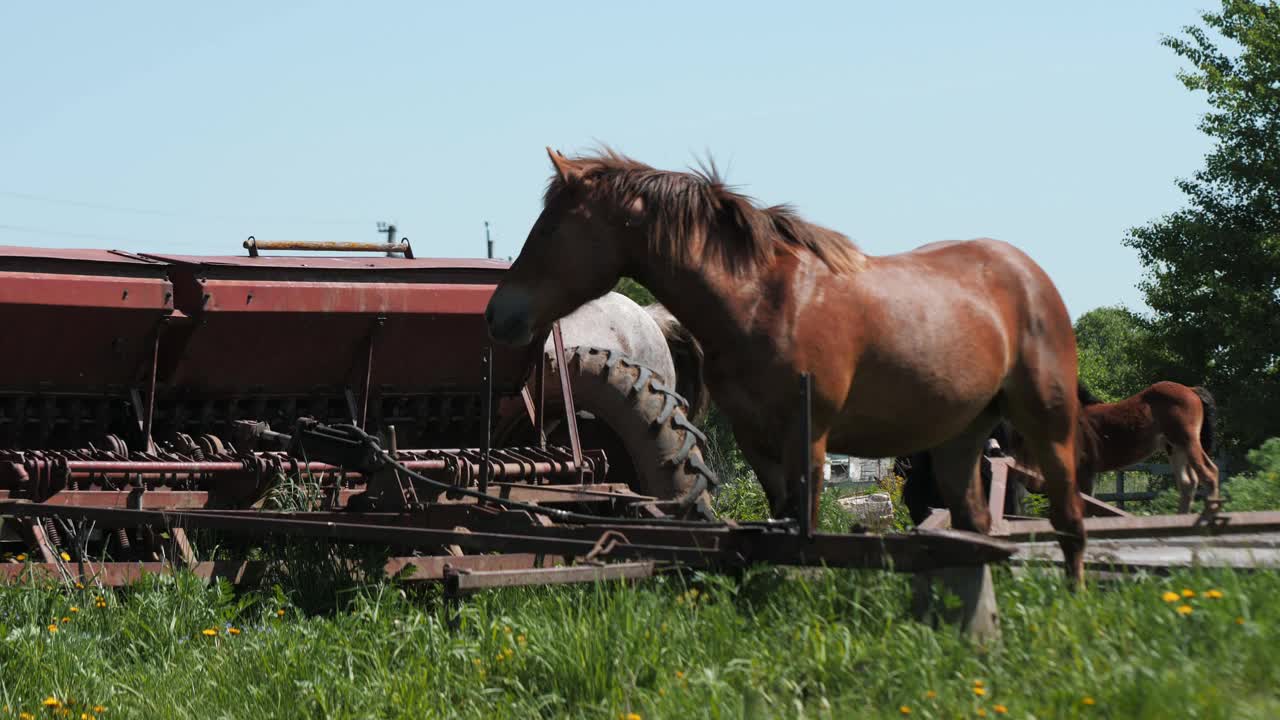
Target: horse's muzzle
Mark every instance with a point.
(508, 317)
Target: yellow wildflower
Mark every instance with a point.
(978, 683)
(521, 640)
(26, 716)
(1188, 593)
(280, 612)
(679, 674)
(982, 712)
(1000, 709)
(73, 609)
(930, 694)
(1213, 594)
(52, 702)
(632, 716)
(1088, 700)
(498, 657)
(1184, 610)
(65, 557)
(21, 557)
(979, 691)
(1170, 596)
(53, 628)
(66, 619)
(1239, 620)
(904, 709)
(99, 709)
(208, 632)
(233, 631)
(506, 629)
(475, 661)
(84, 716)
(79, 585)
(508, 652)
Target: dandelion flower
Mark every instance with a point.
(79, 585)
(73, 609)
(1087, 700)
(1239, 620)
(280, 612)
(679, 674)
(1169, 597)
(1213, 594)
(26, 716)
(904, 709)
(1184, 610)
(1000, 709)
(99, 709)
(65, 557)
(979, 691)
(508, 652)
(53, 628)
(84, 716)
(930, 694)
(208, 632)
(21, 557)
(1188, 593)
(233, 631)
(633, 716)
(52, 702)
(978, 683)
(982, 712)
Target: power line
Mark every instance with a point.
(172, 213)
(65, 233)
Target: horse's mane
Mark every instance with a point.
(684, 206)
(1086, 396)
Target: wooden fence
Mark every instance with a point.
(1120, 496)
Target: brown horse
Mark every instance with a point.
(1165, 416)
(961, 333)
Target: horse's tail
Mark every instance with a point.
(1207, 432)
(687, 356)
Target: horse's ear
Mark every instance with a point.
(565, 168)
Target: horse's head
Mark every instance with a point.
(574, 254)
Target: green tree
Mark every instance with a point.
(1113, 344)
(634, 290)
(1213, 269)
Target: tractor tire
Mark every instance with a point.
(627, 410)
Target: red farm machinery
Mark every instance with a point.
(146, 395)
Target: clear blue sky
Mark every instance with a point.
(1053, 126)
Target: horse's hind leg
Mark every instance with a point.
(1045, 415)
(1183, 476)
(1206, 470)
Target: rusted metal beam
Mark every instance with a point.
(715, 546)
(116, 574)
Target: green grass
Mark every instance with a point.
(771, 644)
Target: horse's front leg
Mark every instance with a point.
(795, 455)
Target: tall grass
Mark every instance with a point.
(769, 644)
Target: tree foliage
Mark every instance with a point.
(1213, 269)
(1112, 343)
